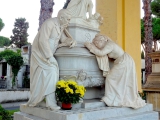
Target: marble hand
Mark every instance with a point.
(52, 60)
(63, 26)
(73, 43)
(88, 45)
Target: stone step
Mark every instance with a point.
(94, 103)
(24, 116)
(98, 113)
(140, 116)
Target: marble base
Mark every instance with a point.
(98, 113)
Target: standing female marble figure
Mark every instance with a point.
(121, 82)
(79, 8)
(44, 70)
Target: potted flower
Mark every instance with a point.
(5, 77)
(69, 92)
(2, 77)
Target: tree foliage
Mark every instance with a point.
(155, 7)
(155, 29)
(66, 4)
(20, 34)
(142, 31)
(6, 53)
(14, 59)
(4, 114)
(4, 41)
(1, 24)
(142, 55)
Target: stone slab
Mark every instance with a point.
(142, 116)
(88, 103)
(24, 116)
(93, 103)
(98, 113)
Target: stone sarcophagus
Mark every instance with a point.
(78, 63)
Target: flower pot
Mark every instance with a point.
(66, 106)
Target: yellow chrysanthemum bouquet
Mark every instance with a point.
(69, 91)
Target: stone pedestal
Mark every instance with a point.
(89, 111)
(152, 86)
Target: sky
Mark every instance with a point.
(30, 10)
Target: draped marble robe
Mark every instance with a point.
(79, 8)
(43, 74)
(121, 80)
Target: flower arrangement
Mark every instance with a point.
(69, 91)
(2, 77)
(5, 77)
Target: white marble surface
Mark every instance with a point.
(98, 113)
(141, 116)
(121, 80)
(82, 34)
(81, 66)
(24, 116)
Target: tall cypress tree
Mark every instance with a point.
(155, 6)
(20, 34)
(66, 4)
(45, 11)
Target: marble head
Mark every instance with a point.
(100, 41)
(64, 16)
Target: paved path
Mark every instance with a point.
(12, 105)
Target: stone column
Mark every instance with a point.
(9, 77)
(122, 24)
(0, 69)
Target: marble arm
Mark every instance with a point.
(63, 37)
(67, 39)
(107, 49)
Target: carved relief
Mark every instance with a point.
(88, 37)
(83, 79)
(81, 75)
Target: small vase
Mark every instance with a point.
(66, 106)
